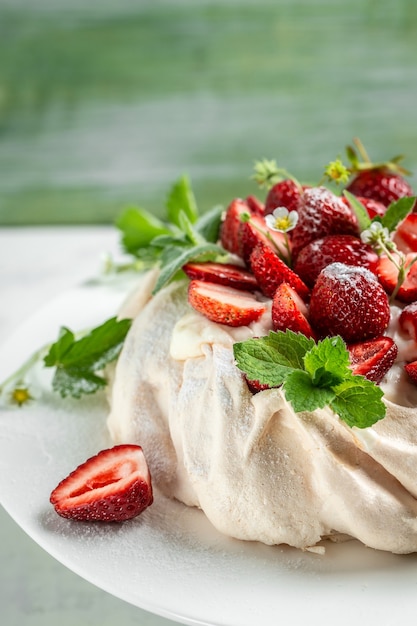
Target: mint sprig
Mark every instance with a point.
(79, 363)
(312, 375)
(183, 235)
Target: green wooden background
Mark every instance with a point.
(105, 103)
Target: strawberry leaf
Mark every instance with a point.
(364, 221)
(397, 212)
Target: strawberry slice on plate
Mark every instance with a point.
(230, 237)
(408, 320)
(112, 486)
(224, 305)
(411, 369)
(289, 312)
(256, 231)
(373, 358)
(222, 273)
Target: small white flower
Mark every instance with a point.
(376, 234)
(281, 219)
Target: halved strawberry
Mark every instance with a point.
(286, 193)
(411, 369)
(349, 301)
(222, 273)
(255, 205)
(388, 276)
(408, 320)
(373, 358)
(322, 252)
(372, 206)
(224, 305)
(289, 311)
(230, 237)
(406, 234)
(321, 213)
(270, 271)
(112, 486)
(254, 232)
(381, 184)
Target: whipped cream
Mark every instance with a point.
(256, 468)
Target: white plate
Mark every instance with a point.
(170, 560)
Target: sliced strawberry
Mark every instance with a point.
(411, 369)
(388, 276)
(286, 193)
(290, 312)
(321, 213)
(254, 232)
(230, 237)
(373, 358)
(322, 252)
(406, 234)
(223, 274)
(408, 320)
(349, 301)
(255, 205)
(381, 184)
(113, 486)
(224, 305)
(270, 271)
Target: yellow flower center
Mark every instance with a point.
(283, 223)
(21, 395)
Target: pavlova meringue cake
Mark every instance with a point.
(217, 439)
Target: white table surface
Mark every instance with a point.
(35, 590)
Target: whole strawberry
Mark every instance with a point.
(321, 213)
(383, 182)
(349, 301)
(286, 193)
(331, 249)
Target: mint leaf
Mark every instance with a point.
(397, 211)
(313, 375)
(138, 229)
(364, 221)
(303, 394)
(78, 362)
(181, 198)
(187, 228)
(174, 257)
(328, 362)
(358, 402)
(208, 225)
(261, 361)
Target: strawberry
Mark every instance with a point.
(373, 358)
(373, 207)
(349, 301)
(255, 205)
(411, 369)
(289, 311)
(383, 182)
(231, 225)
(380, 184)
(112, 486)
(270, 271)
(223, 274)
(405, 236)
(255, 386)
(321, 213)
(286, 193)
(388, 277)
(408, 320)
(322, 252)
(254, 232)
(223, 304)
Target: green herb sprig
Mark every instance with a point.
(312, 375)
(183, 236)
